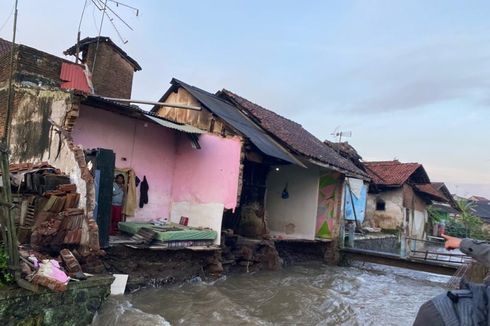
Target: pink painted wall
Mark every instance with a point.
(208, 175)
(149, 149)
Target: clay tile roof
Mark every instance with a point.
(429, 190)
(395, 173)
(89, 40)
(292, 134)
(5, 46)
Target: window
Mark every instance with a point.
(380, 205)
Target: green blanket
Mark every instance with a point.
(169, 232)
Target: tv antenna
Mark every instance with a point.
(338, 134)
(111, 14)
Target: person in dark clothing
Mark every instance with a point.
(468, 306)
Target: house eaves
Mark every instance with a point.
(240, 122)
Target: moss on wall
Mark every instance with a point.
(75, 306)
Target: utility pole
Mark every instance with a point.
(7, 220)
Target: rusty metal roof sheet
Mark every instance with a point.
(73, 77)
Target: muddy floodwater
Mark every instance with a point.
(308, 294)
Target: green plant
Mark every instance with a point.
(471, 222)
(6, 277)
(436, 215)
(466, 224)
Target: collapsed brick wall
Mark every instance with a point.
(40, 131)
(112, 75)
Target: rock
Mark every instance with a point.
(215, 268)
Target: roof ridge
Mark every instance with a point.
(224, 90)
(391, 162)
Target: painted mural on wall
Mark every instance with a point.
(327, 203)
(355, 194)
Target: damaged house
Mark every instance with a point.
(398, 198)
(65, 114)
(291, 183)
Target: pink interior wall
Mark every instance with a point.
(208, 175)
(149, 150)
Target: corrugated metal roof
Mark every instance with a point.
(136, 113)
(240, 122)
(181, 127)
(73, 77)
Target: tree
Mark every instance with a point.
(472, 223)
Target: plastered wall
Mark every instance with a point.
(143, 146)
(297, 213)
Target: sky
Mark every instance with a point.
(409, 79)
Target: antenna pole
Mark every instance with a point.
(98, 37)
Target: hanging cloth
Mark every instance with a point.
(130, 201)
(144, 192)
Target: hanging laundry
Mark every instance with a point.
(144, 192)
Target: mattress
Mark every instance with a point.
(171, 232)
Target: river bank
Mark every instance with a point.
(309, 293)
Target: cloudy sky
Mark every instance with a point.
(410, 79)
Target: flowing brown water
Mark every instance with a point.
(310, 294)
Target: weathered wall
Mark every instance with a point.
(112, 75)
(34, 140)
(295, 215)
(329, 204)
(75, 307)
(418, 216)
(412, 200)
(144, 146)
(392, 216)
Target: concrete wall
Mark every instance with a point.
(205, 180)
(76, 306)
(300, 209)
(399, 202)
(183, 181)
(208, 175)
(392, 216)
(329, 208)
(143, 146)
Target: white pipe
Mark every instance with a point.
(171, 105)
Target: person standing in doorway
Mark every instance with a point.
(117, 203)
